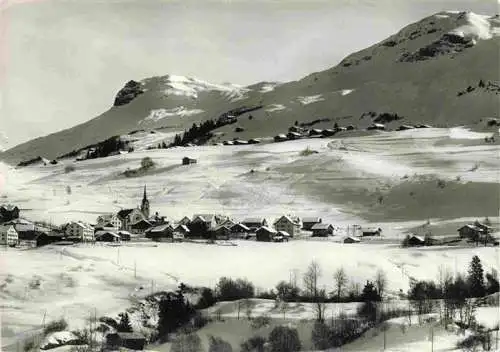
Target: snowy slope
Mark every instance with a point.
(416, 73)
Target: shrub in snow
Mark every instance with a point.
(253, 344)
(219, 345)
(260, 322)
(54, 326)
(186, 343)
(284, 339)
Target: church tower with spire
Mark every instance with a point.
(145, 204)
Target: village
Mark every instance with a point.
(138, 224)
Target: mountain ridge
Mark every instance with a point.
(417, 73)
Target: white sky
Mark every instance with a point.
(62, 62)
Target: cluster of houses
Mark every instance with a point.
(128, 224)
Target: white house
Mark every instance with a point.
(109, 221)
(80, 230)
(288, 224)
(8, 235)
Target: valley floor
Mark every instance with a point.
(396, 181)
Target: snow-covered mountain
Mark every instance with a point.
(442, 70)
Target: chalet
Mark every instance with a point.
(293, 135)
(328, 132)
(107, 236)
(161, 231)
(187, 161)
(140, 227)
(202, 223)
(222, 232)
(308, 222)
(36, 239)
(405, 127)
(125, 340)
(280, 138)
(351, 239)
(415, 241)
(265, 234)
(80, 231)
(109, 221)
(322, 230)
(376, 126)
(371, 232)
(254, 141)
(282, 236)
(239, 230)
(254, 223)
(8, 235)
(125, 235)
(341, 129)
(315, 132)
(295, 129)
(228, 143)
(288, 224)
(8, 212)
(240, 142)
(181, 231)
(471, 231)
(129, 217)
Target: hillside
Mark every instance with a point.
(442, 70)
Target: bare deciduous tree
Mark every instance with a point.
(340, 278)
(311, 278)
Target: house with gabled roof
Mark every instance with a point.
(140, 226)
(322, 230)
(160, 231)
(239, 230)
(265, 234)
(351, 239)
(107, 236)
(80, 231)
(309, 222)
(222, 232)
(288, 224)
(109, 221)
(8, 235)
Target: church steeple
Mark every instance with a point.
(145, 204)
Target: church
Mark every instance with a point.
(136, 220)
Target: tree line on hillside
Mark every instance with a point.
(101, 149)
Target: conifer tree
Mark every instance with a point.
(476, 278)
(124, 324)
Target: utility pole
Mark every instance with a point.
(385, 338)
(135, 269)
(432, 339)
